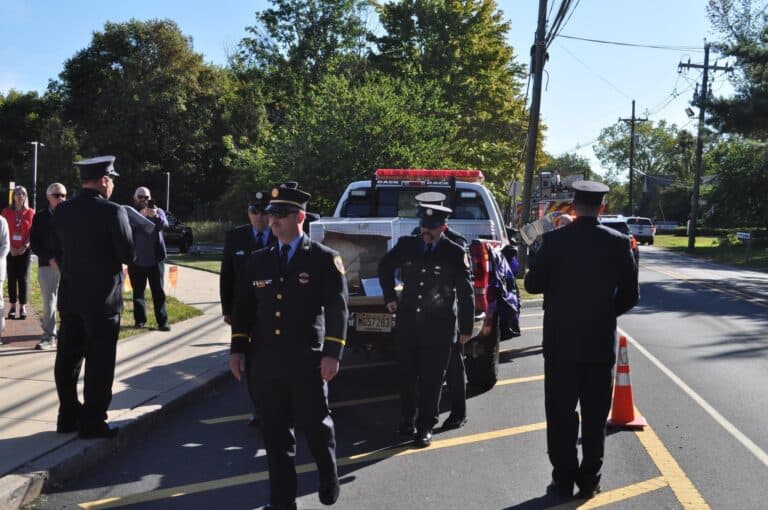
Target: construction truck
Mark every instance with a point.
(369, 219)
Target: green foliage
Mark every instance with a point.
(568, 164)
(344, 130)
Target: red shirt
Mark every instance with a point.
(19, 226)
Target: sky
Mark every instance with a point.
(588, 86)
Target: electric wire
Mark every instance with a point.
(635, 45)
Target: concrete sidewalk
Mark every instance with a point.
(155, 370)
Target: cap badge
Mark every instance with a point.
(259, 195)
(430, 212)
(275, 192)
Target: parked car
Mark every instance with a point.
(177, 234)
(642, 228)
(619, 223)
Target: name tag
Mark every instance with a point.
(16, 237)
(261, 283)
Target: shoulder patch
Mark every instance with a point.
(339, 264)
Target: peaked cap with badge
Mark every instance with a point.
(94, 168)
(432, 216)
(285, 198)
(258, 200)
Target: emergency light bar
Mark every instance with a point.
(394, 174)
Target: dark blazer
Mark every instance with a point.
(239, 243)
(589, 277)
(41, 237)
(92, 240)
(437, 289)
(292, 320)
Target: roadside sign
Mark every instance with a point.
(743, 235)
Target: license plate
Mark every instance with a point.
(374, 322)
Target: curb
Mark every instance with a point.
(69, 460)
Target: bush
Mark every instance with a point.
(210, 231)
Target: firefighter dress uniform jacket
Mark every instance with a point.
(295, 319)
(239, 244)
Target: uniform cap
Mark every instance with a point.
(431, 197)
(97, 167)
(258, 199)
(589, 192)
(432, 216)
(287, 198)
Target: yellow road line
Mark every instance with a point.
(616, 495)
(670, 470)
(729, 292)
(193, 488)
(371, 400)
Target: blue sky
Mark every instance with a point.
(589, 86)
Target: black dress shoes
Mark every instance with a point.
(423, 439)
(164, 327)
(407, 429)
(454, 422)
(560, 489)
(96, 432)
(329, 491)
(589, 486)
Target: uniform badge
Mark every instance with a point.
(259, 195)
(239, 252)
(261, 283)
(430, 212)
(339, 264)
(304, 278)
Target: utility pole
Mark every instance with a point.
(537, 64)
(34, 174)
(632, 121)
(699, 138)
(168, 191)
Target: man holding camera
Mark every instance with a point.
(148, 264)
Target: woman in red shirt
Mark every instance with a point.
(19, 217)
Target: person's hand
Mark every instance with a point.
(464, 339)
(329, 367)
(237, 365)
(228, 319)
(392, 306)
(54, 264)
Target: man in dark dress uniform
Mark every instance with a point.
(239, 244)
(291, 316)
(92, 240)
(455, 376)
(589, 277)
(437, 293)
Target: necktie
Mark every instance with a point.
(260, 240)
(284, 258)
(429, 251)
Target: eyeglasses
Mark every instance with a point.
(59, 195)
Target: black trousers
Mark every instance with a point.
(139, 277)
(285, 402)
(591, 386)
(251, 382)
(456, 381)
(18, 276)
(91, 338)
(422, 368)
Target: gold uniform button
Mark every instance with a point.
(282, 279)
(279, 296)
(277, 314)
(277, 332)
(421, 284)
(419, 296)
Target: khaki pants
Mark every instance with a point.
(48, 278)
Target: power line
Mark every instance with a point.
(634, 45)
(594, 72)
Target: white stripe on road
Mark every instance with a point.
(750, 445)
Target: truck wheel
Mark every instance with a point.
(482, 361)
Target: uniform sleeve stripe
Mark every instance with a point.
(240, 335)
(334, 339)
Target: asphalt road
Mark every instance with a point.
(704, 399)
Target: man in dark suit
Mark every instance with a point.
(239, 244)
(92, 240)
(437, 293)
(290, 314)
(589, 277)
(455, 376)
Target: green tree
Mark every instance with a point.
(568, 164)
(462, 45)
(743, 26)
(139, 91)
(344, 130)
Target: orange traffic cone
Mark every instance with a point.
(623, 409)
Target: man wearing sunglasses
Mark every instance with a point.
(40, 238)
(290, 315)
(239, 243)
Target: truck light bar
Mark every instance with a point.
(404, 174)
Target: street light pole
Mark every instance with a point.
(168, 191)
(34, 174)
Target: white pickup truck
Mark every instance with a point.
(369, 219)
